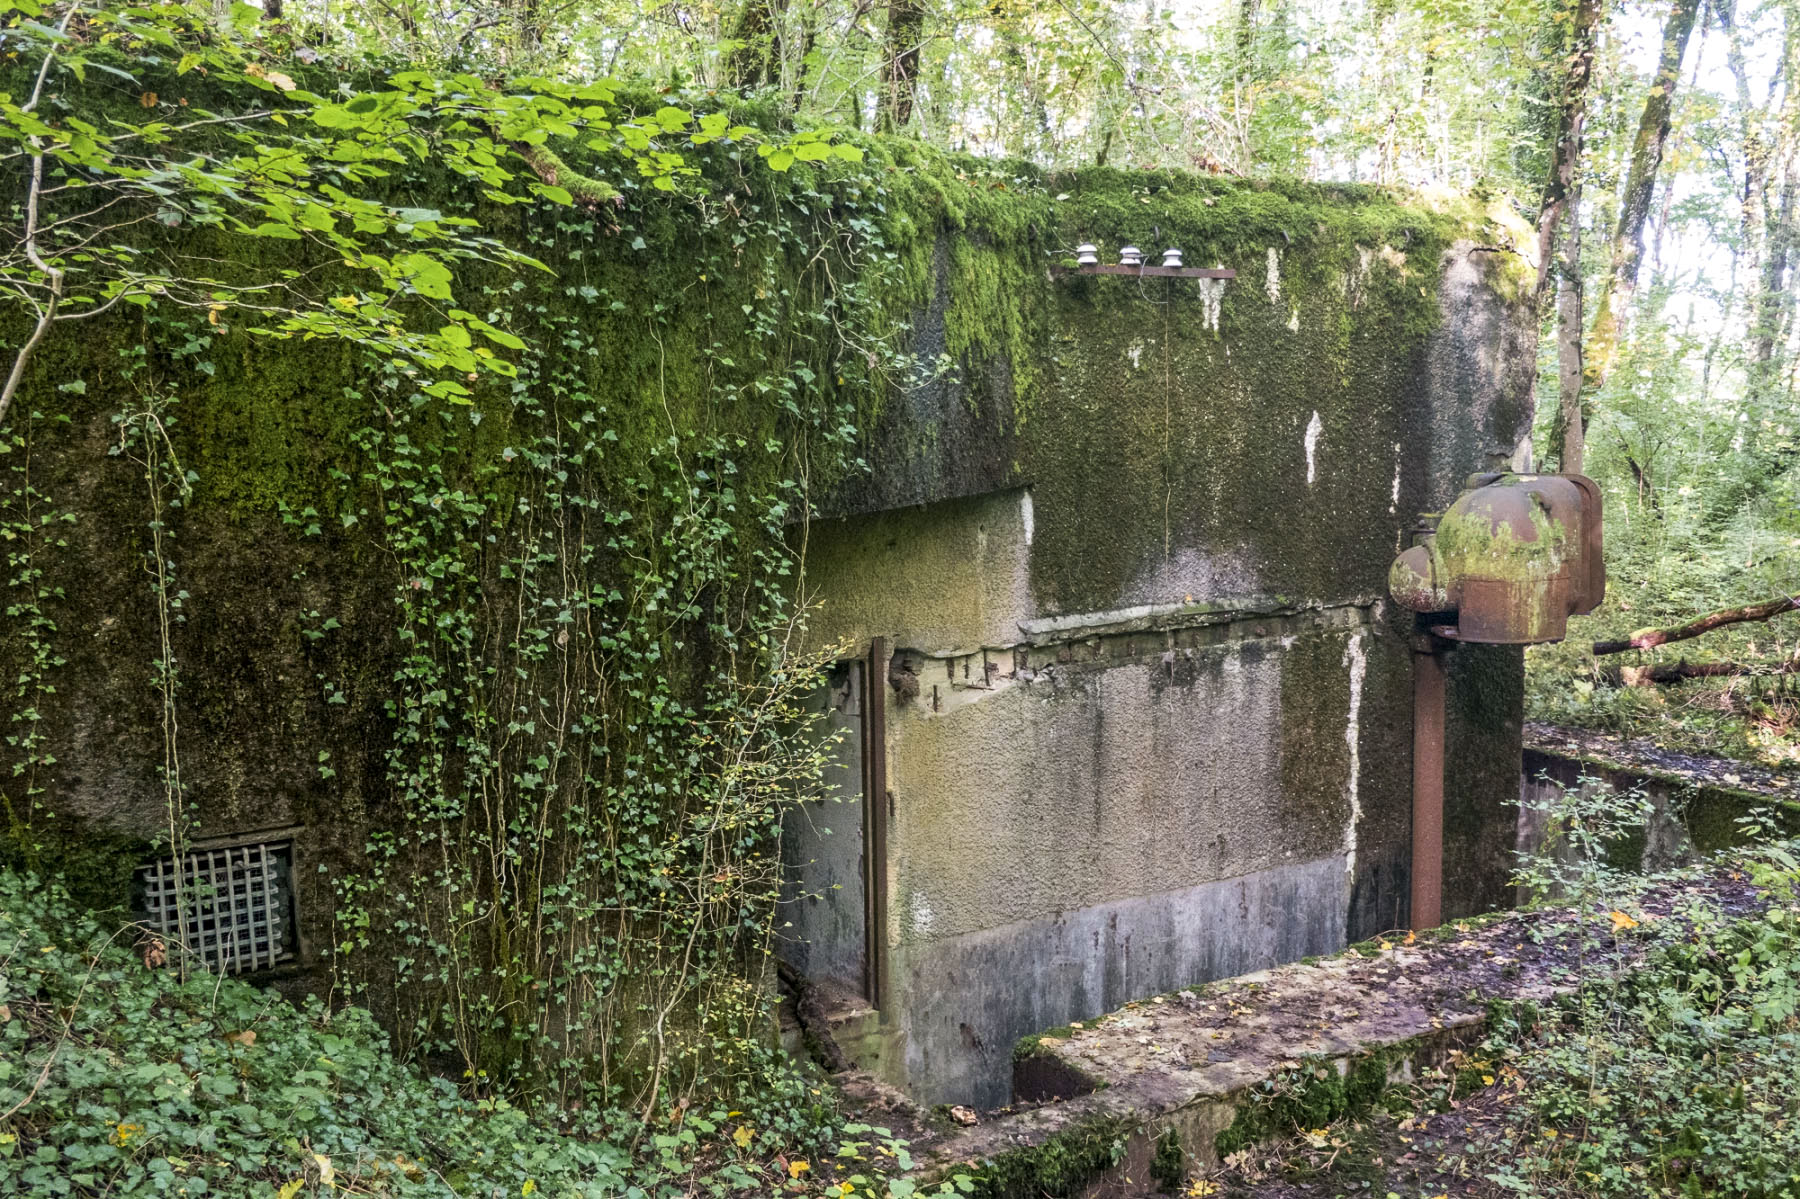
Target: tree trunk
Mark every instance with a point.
(1029, 96)
(1570, 440)
(1571, 117)
(755, 60)
(1640, 189)
(1246, 39)
(1243, 73)
(1756, 161)
(1645, 676)
(1773, 299)
(529, 27)
(900, 64)
(1663, 217)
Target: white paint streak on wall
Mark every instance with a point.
(1294, 322)
(1134, 353)
(1025, 516)
(1212, 298)
(1272, 284)
(1314, 428)
(1393, 502)
(1358, 662)
(922, 920)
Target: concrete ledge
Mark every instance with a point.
(1053, 630)
(1190, 1066)
(1695, 801)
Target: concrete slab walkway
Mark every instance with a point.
(1098, 1101)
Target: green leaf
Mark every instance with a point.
(449, 389)
(501, 337)
(425, 274)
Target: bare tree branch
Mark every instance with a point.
(1651, 638)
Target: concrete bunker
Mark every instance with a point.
(1141, 708)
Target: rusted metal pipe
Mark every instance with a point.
(1428, 787)
(875, 824)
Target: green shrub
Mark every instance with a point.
(117, 1078)
(1678, 1079)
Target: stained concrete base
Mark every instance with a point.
(1040, 973)
(1189, 1062)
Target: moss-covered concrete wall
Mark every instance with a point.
(1150, 711)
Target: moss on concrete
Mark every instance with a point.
(1168, 1161)
(1311, 1096)
(1027, 1046)
(1061, 1165)
(1711, 816)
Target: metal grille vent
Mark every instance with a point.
(237, 905)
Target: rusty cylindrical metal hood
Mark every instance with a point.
(1509, 562)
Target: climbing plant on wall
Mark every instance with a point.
(594, 626)
(598, 708)
(593, 393)
(276, 161)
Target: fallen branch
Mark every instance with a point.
(1644, 676)
(1650, 638)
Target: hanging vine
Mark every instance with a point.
(31, 527)
(597, 710)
